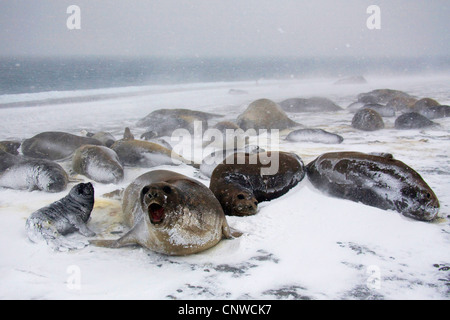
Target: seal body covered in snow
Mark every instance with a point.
(21, 173)
(314, 135)
(171, 214)
(67, 215)
(240, 182)
(98, 163)
(375, 180)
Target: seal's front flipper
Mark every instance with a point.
(230, 233)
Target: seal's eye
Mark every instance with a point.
(241, 196)
(428, 196)
(167, 190)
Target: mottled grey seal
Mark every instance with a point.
(54, 145)
(171, 214)
(314, 104)
(265, 114)
(98, 163)
(412, 120)
(374, 180)
(239, 183)
(21, 173)
(367, 120)
(67, 215)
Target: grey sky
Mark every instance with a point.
(225, 28)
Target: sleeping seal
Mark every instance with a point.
(21, 173)
(171, 214)
(375, 180)
(163, 122)
(98, 163)
(265, 114)
(54, 145)
(62, 217)
(315, 136)
(240, 184)
(145, 154)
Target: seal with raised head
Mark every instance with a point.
(98, 163)
(21, 173)
(171, 214)
(243, 180)
(265, 114)
(67, 215)
(375, 180)
(54, 145)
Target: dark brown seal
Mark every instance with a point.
(243, 180)
(375, 180)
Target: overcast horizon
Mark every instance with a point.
(214, 28)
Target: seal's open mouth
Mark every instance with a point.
(156, 213)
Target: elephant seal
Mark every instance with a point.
(382, 110)
(315, 104)
(382, 96)
(314, 135)
(54, 145)
(265, 114)
(375, 180)
(11, 147)
(367, 120)
(412, 120)
(62, 217)
(211, 161)
(145, 154)
(21, 173)
(171, 214)
(402, 104)
(433, 112)
(240, 184)
(106, 138)
(163, 122)
(98, 163)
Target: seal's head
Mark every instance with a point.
(419, 202)
(239, 201)
(83, 190)
(159, 201)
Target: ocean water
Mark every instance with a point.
(30, 75)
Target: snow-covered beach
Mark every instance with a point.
(304, 245)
